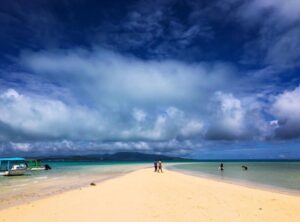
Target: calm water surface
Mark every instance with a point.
(282, 175)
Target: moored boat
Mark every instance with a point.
(34, 164)
(12, 166)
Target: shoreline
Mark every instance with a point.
(242, 183)
(57, 191)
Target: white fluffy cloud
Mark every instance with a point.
(168, 124)
(111, 101)
(228, 120)
(233, 118)
(44, 118)
(104, 76)
(286, 108)
(135, 99)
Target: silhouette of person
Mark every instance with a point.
(160, 167)
(155, 166)
(245, 167)
(221, 167)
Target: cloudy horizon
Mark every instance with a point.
(200, 79)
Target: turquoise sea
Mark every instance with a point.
(280, 175)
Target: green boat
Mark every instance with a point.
(37, 165)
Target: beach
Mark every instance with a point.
(143, 195)
(64, 176)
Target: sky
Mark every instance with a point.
(208, 79)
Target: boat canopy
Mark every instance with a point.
(11, 159)
(7, 163)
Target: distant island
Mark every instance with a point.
(119, 156)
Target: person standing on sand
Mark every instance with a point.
(160, 167)
(155, 166)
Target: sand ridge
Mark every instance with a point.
(147, 196)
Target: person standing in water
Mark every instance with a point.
(155, 166)
(221, 167)
(160, 167)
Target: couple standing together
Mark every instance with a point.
(158, 166)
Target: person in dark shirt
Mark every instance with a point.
(221, 167)
(155, 166)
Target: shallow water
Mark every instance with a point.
(63, 176)
(281, 175)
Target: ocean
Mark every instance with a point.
(279, 175)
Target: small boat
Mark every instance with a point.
(37, 165)
(12, 166)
